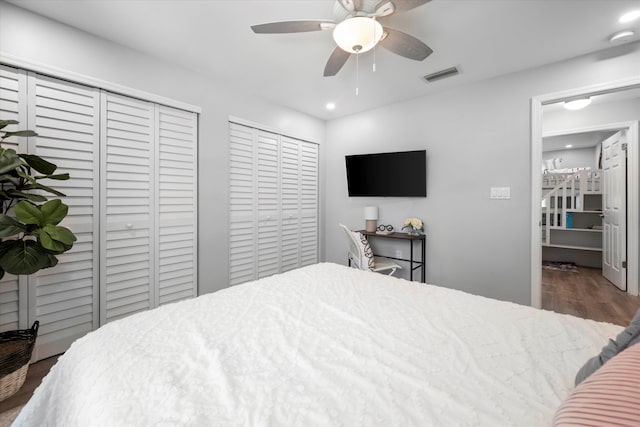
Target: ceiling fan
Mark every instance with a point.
(357, 29)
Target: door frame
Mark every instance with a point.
(633, 186)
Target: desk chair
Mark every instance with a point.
(361, 256)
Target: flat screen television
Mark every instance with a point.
(398, 174)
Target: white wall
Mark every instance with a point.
(476, 137)
(38, 39)
(574, 157)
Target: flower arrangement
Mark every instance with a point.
(413, 225)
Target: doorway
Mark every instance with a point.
(614, 108)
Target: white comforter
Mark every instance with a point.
(324, 345)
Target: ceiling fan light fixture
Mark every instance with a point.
(577, 104)
(358, 34)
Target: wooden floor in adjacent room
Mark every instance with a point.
(586, 293)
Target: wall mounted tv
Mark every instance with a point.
(399, 174)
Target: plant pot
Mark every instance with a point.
(15, 353)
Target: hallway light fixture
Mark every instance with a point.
(577, 104)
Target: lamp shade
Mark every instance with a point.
(371, 212)
(357, 35)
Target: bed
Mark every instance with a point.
(322, 345)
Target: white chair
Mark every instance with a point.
(361, 256)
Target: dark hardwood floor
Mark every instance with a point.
(586, 293)
(36, 372)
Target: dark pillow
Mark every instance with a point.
(626, 338)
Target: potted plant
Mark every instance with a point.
(30, 239)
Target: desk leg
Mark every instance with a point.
(411, 261)
(423, 260)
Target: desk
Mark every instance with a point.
(413, 265)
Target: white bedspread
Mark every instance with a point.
(324, 345)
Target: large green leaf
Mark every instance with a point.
(56, 239)
(15, 194)
(53, 212)
(49, 243)
(39, 164)
(52, 261)
(1, 273)
(9, 160)
(58, 176)
(23, 257)
(5, 123)
(9, 226)
(45, 188)
(19, 133)
(28, 213)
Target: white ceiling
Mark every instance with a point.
(576, 140)
(484, 38)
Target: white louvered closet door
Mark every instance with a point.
(127, 213)
(290, 202)
(176, 272)
(309, 160)
(13, 106)
(273, 202)
(242, 209)
(65, 298)
(268, 199)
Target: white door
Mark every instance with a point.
(242, 211)
(127, 215)
(268, 204)
(176, 189)
(614, 237)
(273, 202)
(13, 105)
(290, 203)
(309, 157)
(65, 298)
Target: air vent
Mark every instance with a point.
(442, 74)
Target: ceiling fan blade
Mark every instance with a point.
(293, 26)
(337, 59)
(405, 45)
(404, 5)
(351, 5)
(384, 8)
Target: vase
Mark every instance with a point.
(413, 232)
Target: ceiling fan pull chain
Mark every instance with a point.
(357, 67)
(374, 59)
(374, 46)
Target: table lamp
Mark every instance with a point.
(371, 218)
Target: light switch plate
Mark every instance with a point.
(500, 193)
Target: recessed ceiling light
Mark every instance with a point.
(568, 146)
(577, 104)
(630, 16)
(621, 35)
(330, 106)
